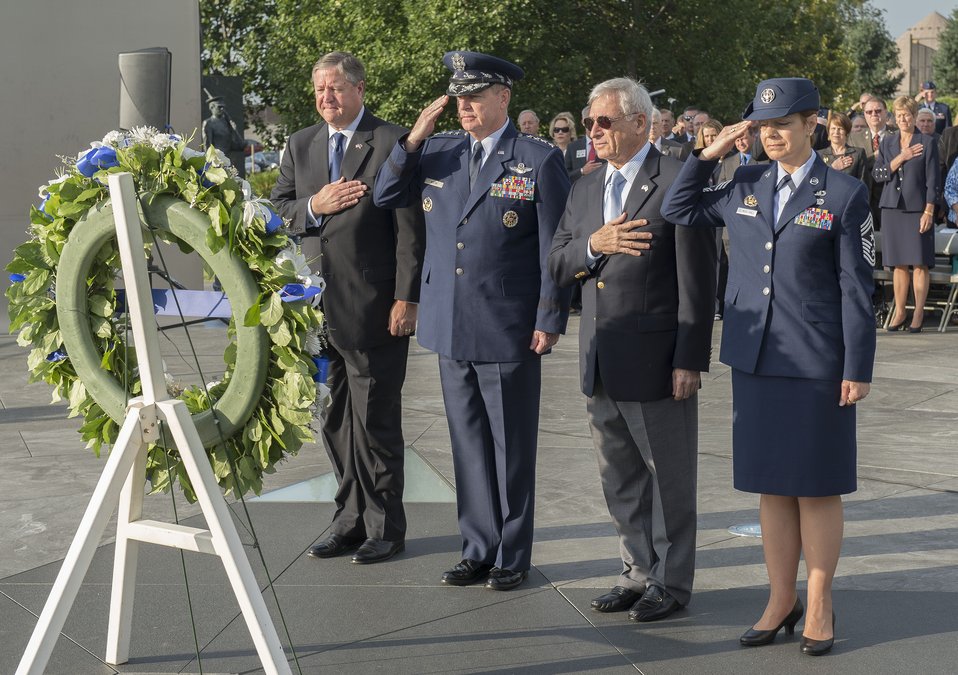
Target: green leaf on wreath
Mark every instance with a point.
(279, 333)
(271, 311)
(100, 306)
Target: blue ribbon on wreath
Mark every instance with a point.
(103, 157)
(296, 292)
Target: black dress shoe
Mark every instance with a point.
(757, 638)
(618, 599)
(505, 580)
(466, 572)
(377, 550)
(818, 647)
(656, 604)
(334, 545)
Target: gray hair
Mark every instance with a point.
(531, 112)
(924, 111)
(585, 111)
(351, 67)
(633, 97)
(656, 116)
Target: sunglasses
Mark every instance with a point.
(603, 121)
(561, 130)
(873, 112)
(687, 118)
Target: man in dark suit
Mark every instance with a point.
(876, 116)
(656, 137)
(371, 260)
(580, 157)
(668, 123)
(645, 337)
(492, 199)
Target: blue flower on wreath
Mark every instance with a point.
(43, 208)
(295, 292)
(16, 278)
(103, 157)
(274, 222)
(58, 355)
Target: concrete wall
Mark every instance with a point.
(60, 89)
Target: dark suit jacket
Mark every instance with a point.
(916, 183)
(671, 148)
(947, 149)
(641, 316)
(730, 164)
(577, 156)
(857, 168)
(368, 256)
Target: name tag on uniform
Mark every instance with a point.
(820, 219)
(580, 153)
(514, 187)
(431, 181)
(751, 213)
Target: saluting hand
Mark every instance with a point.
(424, 126)
(337, 196)
(620, 236)
(853, 392)
(725, 140)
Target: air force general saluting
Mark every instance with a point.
(492, 200)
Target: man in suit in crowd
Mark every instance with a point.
(645, 337)
(663, 145)
(876, 116)
(926, 100)
(371, 259)
(947, 150)
(580, 157)
(688, 117)
(528, 122)
(492, 200)
(743, 157)
(668, 122)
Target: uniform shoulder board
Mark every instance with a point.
(539, 139)
(455, 133)
(716, 188)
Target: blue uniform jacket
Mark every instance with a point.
(798, 301)
(485, 281)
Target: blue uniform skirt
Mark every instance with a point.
(791, 438)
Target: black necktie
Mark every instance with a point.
(475, 163)
(786, 180)
(336, 158)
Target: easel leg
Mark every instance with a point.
(122, 456)
(124, 564)
(226, 540)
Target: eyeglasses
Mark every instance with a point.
(560, 130)
(603, 121)
(873, 112)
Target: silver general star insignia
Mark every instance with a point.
(510, 218)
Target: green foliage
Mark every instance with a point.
(946, 59)
(873, 52)
(262, 182)
(163, 164)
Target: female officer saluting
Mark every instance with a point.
(799, 335)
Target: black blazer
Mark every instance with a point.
(857, 168)
(671, 148)
(577, 156)
(916, 183)
(368, 256)
(641, 316)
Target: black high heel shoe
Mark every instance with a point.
(894, 328)
(818, 647)
(757, 638)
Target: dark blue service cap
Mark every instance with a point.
(928, 85)
(782, 96)
(472, 72)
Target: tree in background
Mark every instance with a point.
(946, 59)
(706, 54)
(871, 50)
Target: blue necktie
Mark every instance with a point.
(475, 163)
(336, 157)
(613, 197)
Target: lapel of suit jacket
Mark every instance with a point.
(765, 194)
(359, 146)
(644, 184)
(319, 156)
(804, 196)
(492, 169)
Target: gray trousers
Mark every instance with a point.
(648, 459)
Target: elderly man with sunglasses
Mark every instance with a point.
(644, 339)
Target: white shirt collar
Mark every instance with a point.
(800, 173)
(348, 131)
(490, 142)
(631, 168)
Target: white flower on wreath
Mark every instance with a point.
(253, 206)
(314, 344)
(44, 189)
(143, 135)
(190, 153)
(117, 139)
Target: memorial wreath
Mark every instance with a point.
(67, 309)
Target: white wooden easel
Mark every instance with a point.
(123, 481)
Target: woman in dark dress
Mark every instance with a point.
(799, 335)
(907, 164)
(839, 154)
